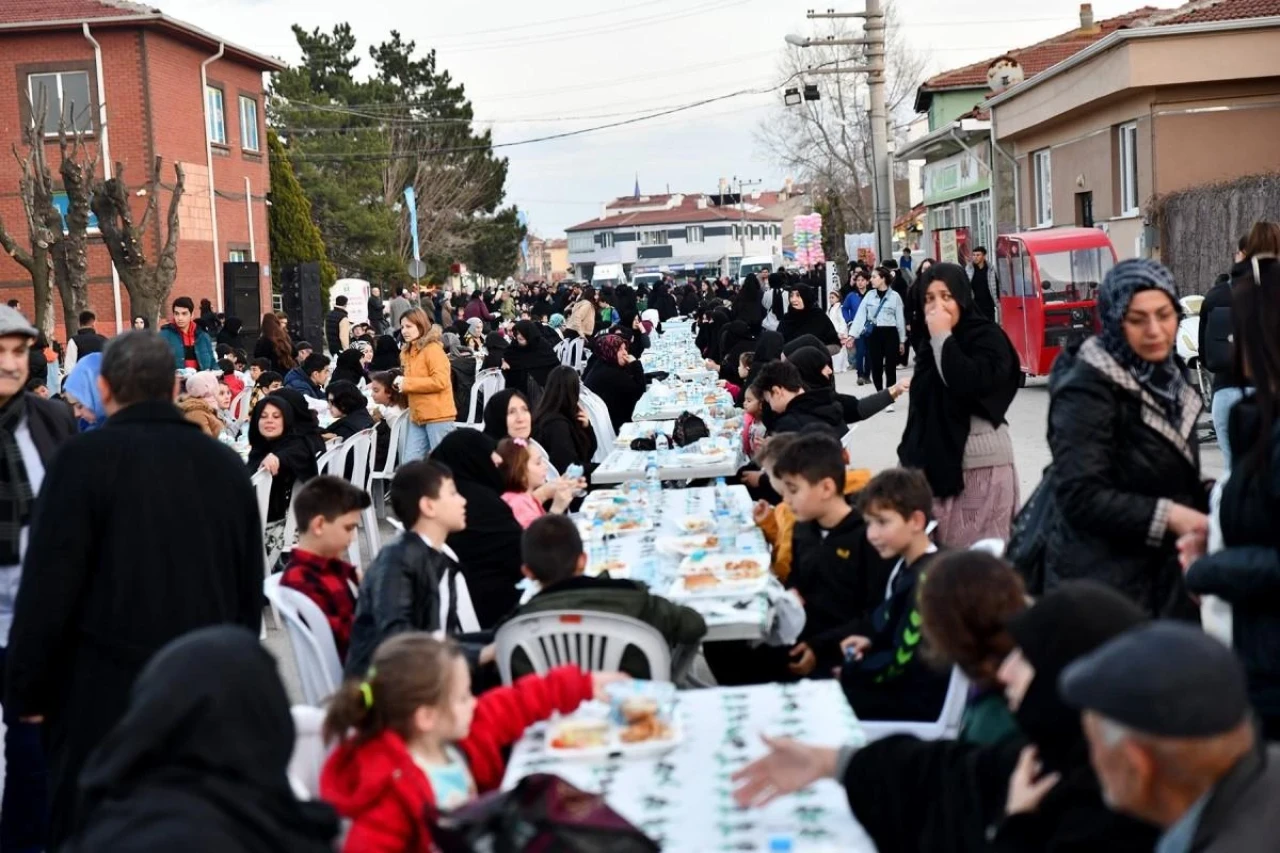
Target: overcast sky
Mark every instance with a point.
(549, 66)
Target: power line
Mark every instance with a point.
(566, 19)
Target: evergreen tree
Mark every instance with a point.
(295, 239)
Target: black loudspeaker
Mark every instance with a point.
(242, 298)
(301, 302)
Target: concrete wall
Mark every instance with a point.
(946, 107)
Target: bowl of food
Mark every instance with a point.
(579, 734)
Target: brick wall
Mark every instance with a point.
(155, 107)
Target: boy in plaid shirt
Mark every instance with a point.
(327, 511)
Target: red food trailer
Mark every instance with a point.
(1049, 284)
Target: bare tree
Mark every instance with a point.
(148, 284)
(827, 142)
(57, 247)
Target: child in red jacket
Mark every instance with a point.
(413, 736)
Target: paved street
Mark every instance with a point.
(1028, 418)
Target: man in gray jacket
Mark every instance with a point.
(1173, 741)
(398, 308)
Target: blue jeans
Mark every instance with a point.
(1223, 401)
(860, 357)
(24, 813)
(421, 439)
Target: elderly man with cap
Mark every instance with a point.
(31, 429)
(1173, 741)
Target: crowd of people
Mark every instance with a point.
(142, 712)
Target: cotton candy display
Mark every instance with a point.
(808, 238)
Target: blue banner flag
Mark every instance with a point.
(411, 200)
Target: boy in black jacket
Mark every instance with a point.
(780, 387)
(884, 677)
(834, 571)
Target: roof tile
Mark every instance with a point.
(1205, 11)
(674, 216)
(28, 11)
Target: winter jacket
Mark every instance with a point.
(566, 443)
(1241, 814)
(378, 786)
(1246, 572)
(300, 382)
(849, 308)
(892, 681)
(1118, 465)
(812, 407)
(427, 380)
(840, 577)
(200, 413)
(205, 355)
(980, 280)
(679, 625)
(476, 309)
(779, 525)
(620, 387)
(582, 318)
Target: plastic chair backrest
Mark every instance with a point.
(319, 668)
(388, 469)
(488, 383)
(262, 488)
(573, 353)
(240, 406)
(309, 751)
(593, 641)
(946, 727)
(356, 450)
(601, 423)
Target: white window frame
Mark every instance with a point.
(85, 110)
(1128, 162)
(237, 256)
(249, 139)
(216, 127)
(653, 238)
(606, 239)
(1042, 186)
(581, 242)
(694, 234)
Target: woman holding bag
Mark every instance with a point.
(881, 321)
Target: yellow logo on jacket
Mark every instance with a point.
(842, 553)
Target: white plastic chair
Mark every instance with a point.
(324, 463)
(488, 383)
(593, 641)
(319, 667)
(309, 751)
(380, 477)
(598, 414)
(573, 353)
(261, 481)
(946, 727)
(240, 407)
(358, 450)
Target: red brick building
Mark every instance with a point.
(154, 86)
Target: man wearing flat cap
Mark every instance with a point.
(1173, 742)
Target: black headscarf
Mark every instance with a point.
(536, 352)
(802, 342)
(689, 301)
(736, 339)
(809, 320)
(495, 413)
(768, 348)
(708, 339)
(201, 761)
(348, 367)
(489, 548)
(811, 362)
(624, 302)
(294, 450)
(386, 355)
(495, 348)
(304, 417)
(981, 379)
(747, 306)
(663, 302)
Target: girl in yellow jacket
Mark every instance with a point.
(426, 383)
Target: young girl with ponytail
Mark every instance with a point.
(411, 736)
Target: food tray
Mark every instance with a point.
(730, 568)
(683, 546)
(613, 744)
(682, 588)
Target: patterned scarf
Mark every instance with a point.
(1163, 380)
(16, 497)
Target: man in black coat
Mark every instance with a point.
(979, 279)
(31, 430)
(85, 341)
(145, 529)
(377, 315)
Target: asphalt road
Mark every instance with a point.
(877, 439)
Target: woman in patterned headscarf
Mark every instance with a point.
(1126, 462)
(616, 376)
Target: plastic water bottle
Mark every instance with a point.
(652, 481)
(726, 528)
(722, 493)
(597, 535)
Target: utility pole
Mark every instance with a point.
(874, 53)
(742, 205)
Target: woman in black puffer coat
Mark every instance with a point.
(1126, 460)
(1246, 571)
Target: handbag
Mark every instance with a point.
(871, 321)
(1028, 537)
(688, 429)
(541, 813)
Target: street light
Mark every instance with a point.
(797, 41)
(791, 97)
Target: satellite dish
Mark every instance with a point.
(1004, 73)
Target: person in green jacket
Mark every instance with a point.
(553, 556)
(965, 607)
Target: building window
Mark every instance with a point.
(216, 115)
(737, 232)
(248, 123)
(1128, 169)
(694, 234)
(606, 239)
(66, 98)
(63, 204)
(653, 238)
(238, 256)
(580, 242)
(1042, 184)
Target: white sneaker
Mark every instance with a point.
(892, 408)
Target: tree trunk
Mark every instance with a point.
(43, 294)
(71, 256)
(146, 302)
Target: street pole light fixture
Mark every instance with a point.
(791, 97)
(797, 41)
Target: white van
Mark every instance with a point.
(607, 275)
(648, 279)
(758, 264)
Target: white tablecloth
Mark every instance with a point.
(726, 620)
(623, 464)
(683, 799)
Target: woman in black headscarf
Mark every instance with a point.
(495, 350)
(349, 368)
(806, 317)
(305, 421)
(710, 327)
(818, 374)
(229, 334)
(1126, 461)
(528, 357)
(200, 764)
(277, 444)
(386, 354)
(769, 348)
(561, 424)
(965, 380)
(773, 299)
(689, 301)
(624, 302)
(663, 302)
(616, 376)
(489, 548)
(736, 339)
(747, 306)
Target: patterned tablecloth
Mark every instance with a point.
(683, 799)
(733, 617)
(688, 463)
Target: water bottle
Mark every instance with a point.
(722, 492)
(652, 481)
(597, 536)
(726, 528)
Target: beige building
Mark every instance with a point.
(1184, 99)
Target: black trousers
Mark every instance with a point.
(882, 355)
